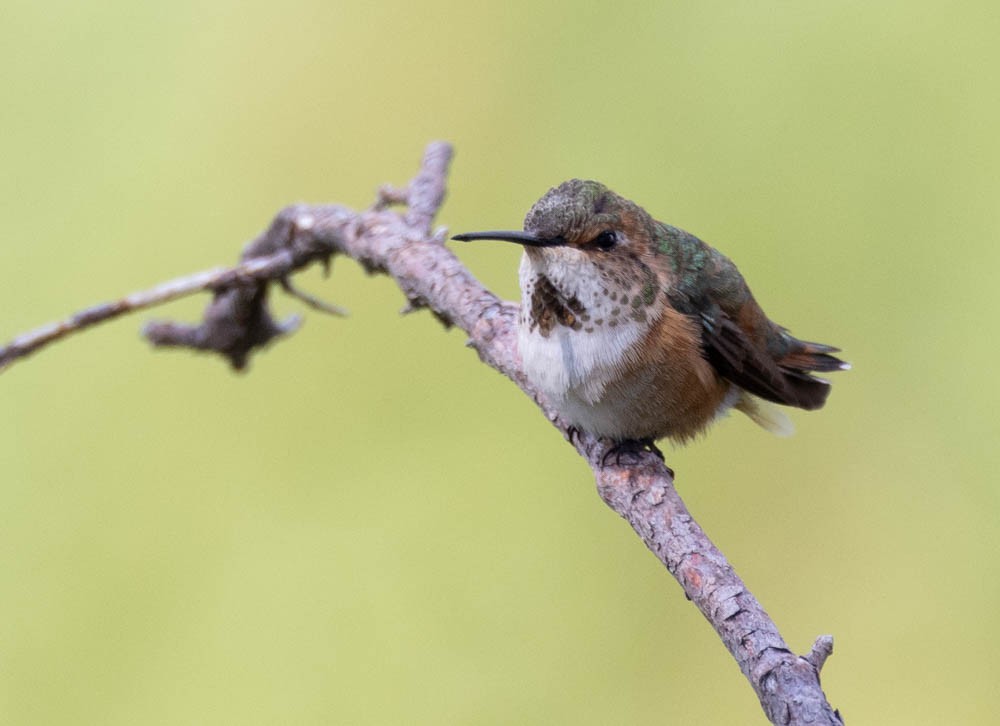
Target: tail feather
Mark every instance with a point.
(805, 356)
(766, 360)
(802, 358)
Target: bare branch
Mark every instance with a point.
(245, 283)
(28, 343)
(405, 247)
(788, 686)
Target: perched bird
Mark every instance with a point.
(636, 330)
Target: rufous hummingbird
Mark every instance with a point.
(635, 330)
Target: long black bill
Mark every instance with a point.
(521, 238)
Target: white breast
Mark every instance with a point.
(569, 363)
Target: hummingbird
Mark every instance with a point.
(636, 330)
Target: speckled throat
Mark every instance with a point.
(548, 309)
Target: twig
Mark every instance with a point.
(27, 343)
(260, 267)
(405, 247)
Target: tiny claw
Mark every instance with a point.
(626, 448)
(633, 448)
(650, 445)
(573, 435)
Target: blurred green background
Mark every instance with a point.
(371, 527)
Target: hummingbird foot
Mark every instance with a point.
(650, 445)
(633, 449)
(573, 435)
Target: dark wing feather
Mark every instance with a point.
(751, 366)
(738, 339)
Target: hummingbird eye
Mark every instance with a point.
(605, 240)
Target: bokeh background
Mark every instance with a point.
(371, 527)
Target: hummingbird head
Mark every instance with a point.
(587, 251)
(584, 215)
(580, 223)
